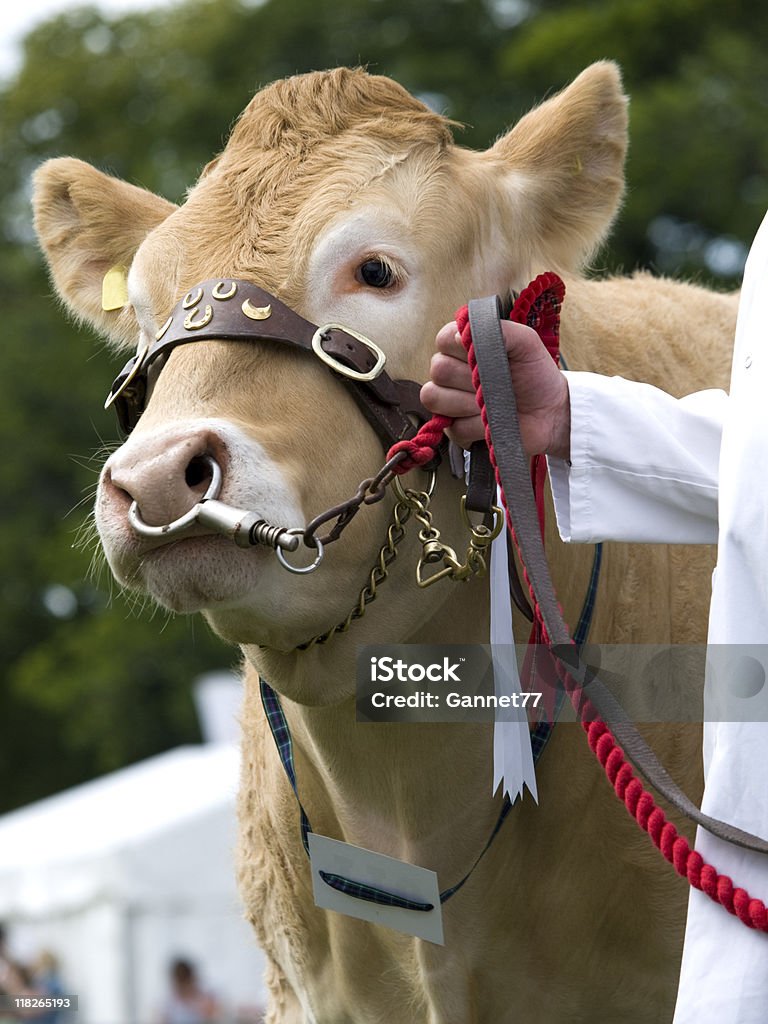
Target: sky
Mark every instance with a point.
(18, 18)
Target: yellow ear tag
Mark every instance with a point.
(114, 289)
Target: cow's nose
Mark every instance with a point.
(165, 476)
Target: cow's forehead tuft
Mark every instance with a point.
(298, 113)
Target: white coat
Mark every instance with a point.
(647, 467)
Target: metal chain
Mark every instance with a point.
(401, 513)
(369, 492)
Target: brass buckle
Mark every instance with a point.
(345, 371)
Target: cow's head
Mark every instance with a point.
(345, 197)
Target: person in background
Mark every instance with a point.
(46, 981)
(188, 1002)
(20, 983)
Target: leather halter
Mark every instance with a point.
(226, 309)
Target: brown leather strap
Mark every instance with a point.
(235, 310)
(481, 482)
(512, 463)
(481, 497)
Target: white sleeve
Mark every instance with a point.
(644, 465)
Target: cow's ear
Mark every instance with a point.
(88, 223)
(562, 168)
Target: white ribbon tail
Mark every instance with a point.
(513, 765)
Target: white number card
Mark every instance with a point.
(342, 864)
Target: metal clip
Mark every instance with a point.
(481, 535)
(451, 568)
(433, 550)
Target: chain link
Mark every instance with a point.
(370, 491)
(401, 513)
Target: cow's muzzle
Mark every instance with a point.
(245, 528)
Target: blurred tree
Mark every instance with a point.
(150, 97)
(695, 71)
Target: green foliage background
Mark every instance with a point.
(90, 683)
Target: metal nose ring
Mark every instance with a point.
(185, 521)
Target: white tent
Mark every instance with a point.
(121, 874)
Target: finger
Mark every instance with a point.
(466, 431)
(448, 341)
(448, 401)
(449, 372)
(521, 341)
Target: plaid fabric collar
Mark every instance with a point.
(360, 890)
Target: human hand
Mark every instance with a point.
(541, 391)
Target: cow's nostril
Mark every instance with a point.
(198, 472)
(165, 477)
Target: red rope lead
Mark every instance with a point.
(539, 307)
(422, 447)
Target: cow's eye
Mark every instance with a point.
(376, 273)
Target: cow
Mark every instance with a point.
(347, 199)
